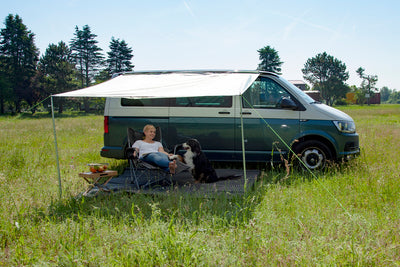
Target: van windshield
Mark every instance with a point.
(264, 93)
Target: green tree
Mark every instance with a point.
(19, 56)
(368, 83)
(328, 75)
(57, 69)
(333, 90)
(394, 97)
(270, 60)
(87, 57)
(102, 76)
(385, 93)
(119, 57)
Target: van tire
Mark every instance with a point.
(314, 154)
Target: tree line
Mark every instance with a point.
(27, 78)
(328, 75)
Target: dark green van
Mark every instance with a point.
(275, 113)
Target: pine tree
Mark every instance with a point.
(5, 85)
(270, 60)
(119, 57)
(57, 69)
(19, 56)
(87, 57)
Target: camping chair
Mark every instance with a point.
(143, 174)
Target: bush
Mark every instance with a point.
(394, 98)
(341, 102)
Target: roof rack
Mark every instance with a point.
(184, 71)
(268, 72)
(204, 71)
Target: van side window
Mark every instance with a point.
(151, 102)
(264, 93)
(203, 101)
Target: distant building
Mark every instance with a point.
(351, 98)
(299, 84)
(316, 95)
(374, 99)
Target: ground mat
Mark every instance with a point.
(233, 183)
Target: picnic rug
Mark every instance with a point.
(182, 182)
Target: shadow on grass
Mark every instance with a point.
(196, 209)
(184, 206)
(174, 205)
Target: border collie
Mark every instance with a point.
(199, 165)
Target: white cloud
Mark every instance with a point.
(189, 9)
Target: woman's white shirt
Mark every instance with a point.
(146, 148)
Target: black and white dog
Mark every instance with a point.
(199, 165)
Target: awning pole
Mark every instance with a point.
(243, 145)
(56, 146)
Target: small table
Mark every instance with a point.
(95, 179)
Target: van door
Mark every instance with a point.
(133, 113)
(209, 119)
(265, 121)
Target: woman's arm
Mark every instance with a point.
(161, 149)
(135, 146)
(136, 152)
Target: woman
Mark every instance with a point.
(152, 151)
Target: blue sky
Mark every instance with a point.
(190, 34)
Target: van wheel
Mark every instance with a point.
(314, 154)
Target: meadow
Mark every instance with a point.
(348, 215)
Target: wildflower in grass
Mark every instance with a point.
(72, 163)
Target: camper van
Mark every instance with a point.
(271, 119)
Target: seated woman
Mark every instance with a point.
(152, 151)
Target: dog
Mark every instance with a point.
(199, 165)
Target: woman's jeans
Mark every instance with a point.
(157, 158)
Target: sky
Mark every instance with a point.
(226, 34)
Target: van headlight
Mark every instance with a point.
(345, 126)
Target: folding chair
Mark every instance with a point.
(143, 174)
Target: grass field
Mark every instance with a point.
(349, 215)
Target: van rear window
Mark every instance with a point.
(153, 102)
(203, 101)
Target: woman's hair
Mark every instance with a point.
(148, 127)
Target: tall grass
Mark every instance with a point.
(349, 215)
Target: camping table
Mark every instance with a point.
(96, 179)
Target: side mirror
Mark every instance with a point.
(288, 103)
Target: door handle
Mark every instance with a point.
(224, 112)
(246, 113)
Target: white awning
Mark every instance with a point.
(169, 84)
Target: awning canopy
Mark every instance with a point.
(170, 84)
